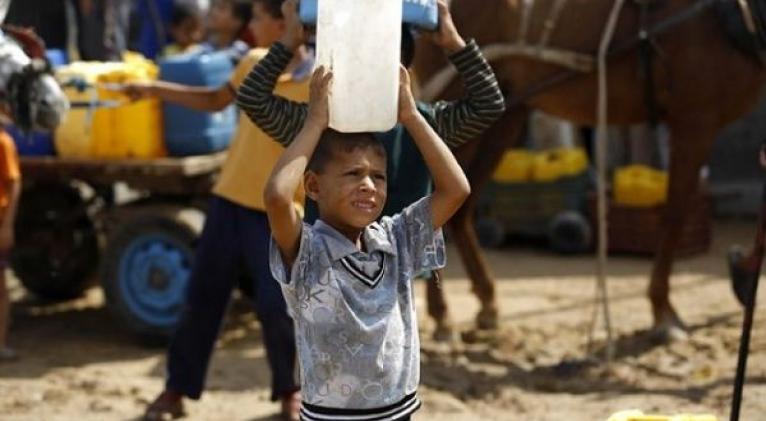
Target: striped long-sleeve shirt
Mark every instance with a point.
(456, 122)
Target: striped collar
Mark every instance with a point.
(338, 246)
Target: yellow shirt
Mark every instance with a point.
(253, 154)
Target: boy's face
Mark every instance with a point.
(351, 188)
(221, 17)
(187, 32)
(266, 28)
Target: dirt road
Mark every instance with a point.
(78, 364)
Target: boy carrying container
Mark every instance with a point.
(347, 279)
(456, 122)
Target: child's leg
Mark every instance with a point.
(213, 278)
(278, 331)
(5, 304)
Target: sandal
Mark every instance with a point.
(168, 405)
(291, 406)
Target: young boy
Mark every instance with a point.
(227, 23)
(186, 29)
(348, 279)
(10, 189)
(456, 122)
(228, 28)
(235, 237)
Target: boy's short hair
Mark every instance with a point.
(182, 12)
(274, 7)
(333, 141)
(242, 10)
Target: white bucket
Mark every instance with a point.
(360, 41)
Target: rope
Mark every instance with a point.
(602, 292)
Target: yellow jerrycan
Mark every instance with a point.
(515, 167)
(83, 126)
(640, 186)
(635, 415)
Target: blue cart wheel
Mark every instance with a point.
(570, 233)
(147, 267)
(490, 231)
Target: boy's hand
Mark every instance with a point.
(318, 113)
(763, 157)
(446, 35)
(294, 36)
(134, 90)
(407, 107)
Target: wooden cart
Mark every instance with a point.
(134, 222)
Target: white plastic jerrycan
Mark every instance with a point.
(360, 41)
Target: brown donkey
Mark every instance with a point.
(700, 84)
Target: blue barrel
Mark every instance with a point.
(189, 132)
(56, 57)
(33, 143)
(421, 13)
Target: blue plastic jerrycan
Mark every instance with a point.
(189, 132)
(421, 13)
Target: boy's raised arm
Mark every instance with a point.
(199, 98)
(278, 117)
(287, 175)
(465, 119)
(451, 187)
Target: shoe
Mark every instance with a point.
(291, 406)
(168, 405)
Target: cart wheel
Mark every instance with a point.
(491, 232)
(56, 250)
(147, 265)
(570, 233)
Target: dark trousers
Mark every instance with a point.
(234, 238)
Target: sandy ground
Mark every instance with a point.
(79, 364)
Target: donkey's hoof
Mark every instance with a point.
(487, 319)
(444, 334)
(670, 332)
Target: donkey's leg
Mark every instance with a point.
(485, 158)
(437, 308)
(691, 140)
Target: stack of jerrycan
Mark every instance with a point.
(105, 124)
(640, 186)
(558, 163)
(540, 194)
(189, 132)
(420, 13)
(520, 165)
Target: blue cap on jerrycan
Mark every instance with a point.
(421, 13)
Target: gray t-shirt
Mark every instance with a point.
(355, 323)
